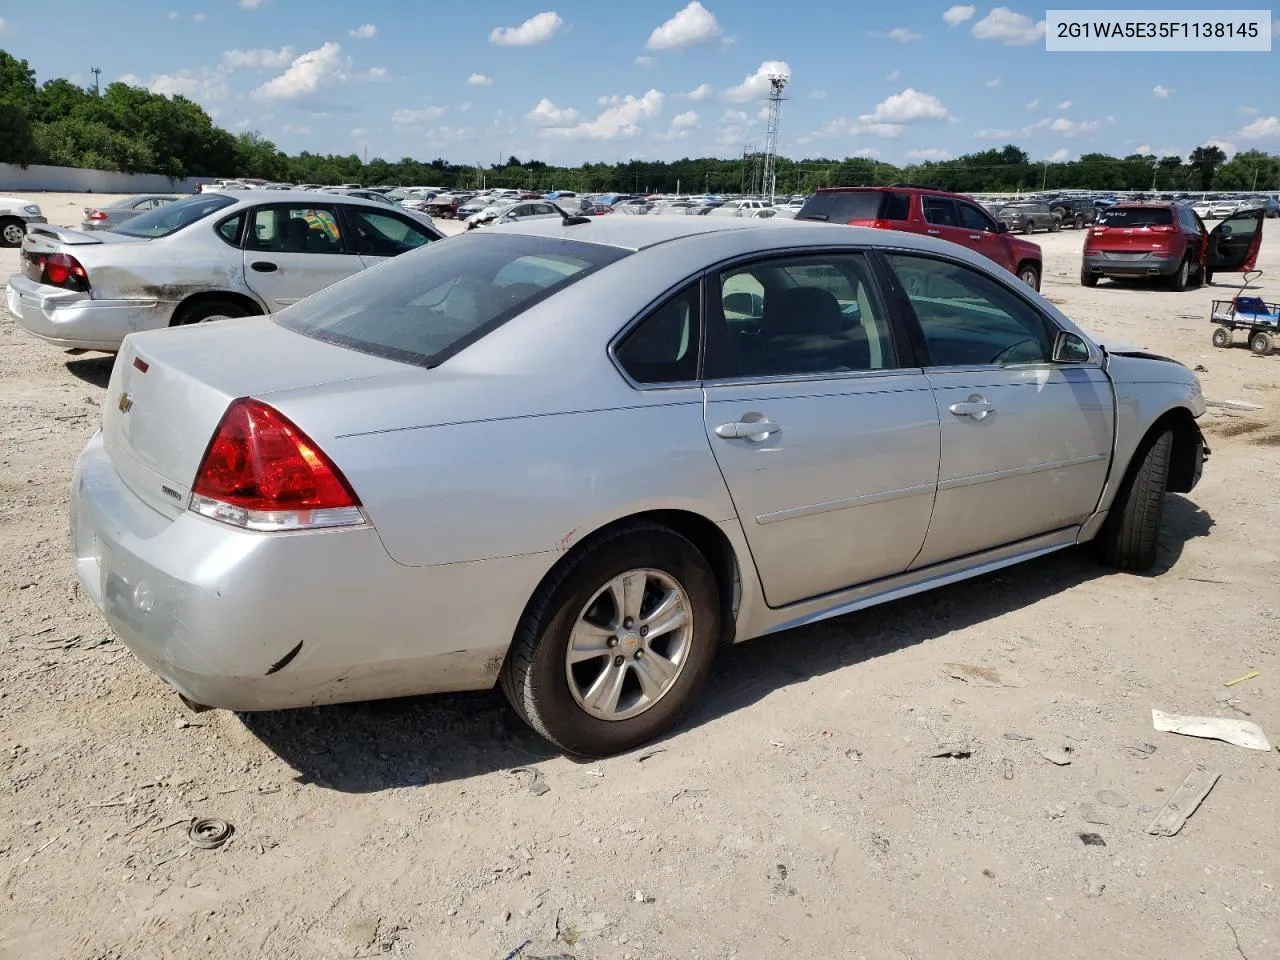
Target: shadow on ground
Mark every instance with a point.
(361, 748)
(94, 369)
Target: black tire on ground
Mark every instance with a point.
(1208, 276)
(203, 310)
(1130, 536)
(1079, 221)
(1029, 274)
(534, 674)
(1262, 343)
(1055, 226)
(1088, 278)
(12, 230)
(1222, 337)
(1180, 279)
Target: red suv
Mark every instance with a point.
(1168, 240)
(935, 213)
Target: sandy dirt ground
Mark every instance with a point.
(797, 813)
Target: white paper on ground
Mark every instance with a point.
(1242, 733)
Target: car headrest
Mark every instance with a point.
(802, 311)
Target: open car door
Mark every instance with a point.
(1233, 244)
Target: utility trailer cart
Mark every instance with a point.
(1258, 317)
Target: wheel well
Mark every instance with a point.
(1029, 261)
(703, 534)
(1188, 447)
(251, 306)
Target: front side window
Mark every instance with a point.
(295, 229)
(810, 316)
(968, 318)
(663, 347)
(383, 235)
(971, 218)
(168, 220)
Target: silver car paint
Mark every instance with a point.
(479, 475)
(138, 284)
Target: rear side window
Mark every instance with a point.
(860, 205)
(169, 219)
(663, 348)
(1136, 217)
(941, 211)
(425, 306)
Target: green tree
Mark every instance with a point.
(1206, 161)
(1250, 170)
(17, 141)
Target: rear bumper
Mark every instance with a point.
(250, 621)
(1143, 265)
(73, 320)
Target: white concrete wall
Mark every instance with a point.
(73, 180)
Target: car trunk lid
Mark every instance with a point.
(170, 388)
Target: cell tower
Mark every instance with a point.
(769, 185)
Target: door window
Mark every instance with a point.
(801, 317)
(295, 229)
(971, 218)
(968, 318)
(383, 234)
(663, 348)
(940, 211)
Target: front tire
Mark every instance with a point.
(616, 644)
(1222, 337)
(1029, 274)
(1130, 536)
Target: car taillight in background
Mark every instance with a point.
(96, 215)
(57, 270)
(261, 472)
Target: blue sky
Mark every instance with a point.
(567, 81)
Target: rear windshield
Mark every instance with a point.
(1136, 217)
(425, 306)
(172, 217)
(862, 205)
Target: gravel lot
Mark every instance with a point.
(797, 814)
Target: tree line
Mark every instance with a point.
(132, 130)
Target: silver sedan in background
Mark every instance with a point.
(111, 215)
(574, 457)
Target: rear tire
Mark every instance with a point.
(12, 230)
(205, 310)
(1130, 536)
(1029, 274)
(536, 677)
(1087, 278)
(1055, 226)
(1262, 343)
(1180, 278)
(1208, 277)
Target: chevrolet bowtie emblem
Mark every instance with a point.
(125, 402)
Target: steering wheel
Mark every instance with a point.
(1000, 357)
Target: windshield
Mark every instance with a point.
(1136, 217)
(424, 307)
(172, 217)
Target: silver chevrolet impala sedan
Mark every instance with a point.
(574, 457)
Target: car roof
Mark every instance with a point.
(1150, 204)
(308, 197)
(637, 233)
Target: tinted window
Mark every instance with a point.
(425, 307)
(814, 315)
(968, 318)
(295, 229)
(383, 235)
(163, 221)
(1136, 217)
(940, 210)
(843, 207)
(971, 218)
(663, 348)
(229, 229)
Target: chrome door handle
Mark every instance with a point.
(976, 406)
(747, 430)
(935, 233)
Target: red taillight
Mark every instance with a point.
(62, 270)
(97, 215)
(263, 473)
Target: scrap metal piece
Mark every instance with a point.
(1184, 801)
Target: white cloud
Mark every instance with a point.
(1058, 156)
(992, 83)
(464, 107)
(700, 92)
(893, 76)
(1144, 148)
(643, 61)
(1264, 128)
(202, 85)
(365, 31)
(954, 16)
(735, 116)
(480, 80)
(1009, 28)
(756, 86)
(537, 29)
(906, 107)
(1033, 104)
(620, 122)
(932, 153)
(408, 117)
(291, 128)
(1161, 92)
(251, 4)
(684, 120)
(548, 114)
(1065, 105)
(992, 133)
(1226, 146)
(274, 59)
(173, 15)
(1069, 129)
(694, 24)
(844, 127)
(359, 133)
(900, 34)
(1248, 111)
(373, 73)
(200, 17)
(306, 75)
(817, 94)
(866, 152)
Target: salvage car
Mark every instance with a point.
(573, 457)
(111, 215)
(211, 256)
(15, 214)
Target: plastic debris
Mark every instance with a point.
(1112, 798)
(1247, 676)
(1141, 746)
(1092, 840)
(208, 833)
(537, 786)
(1017, 736)
(650, 754)
(1061, 756)
(1241, 733)
(1184, 801)
(958, 750)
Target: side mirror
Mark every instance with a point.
(1001, 227)
(1070, 347)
